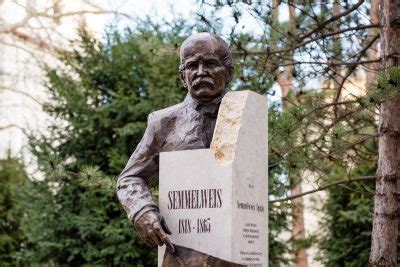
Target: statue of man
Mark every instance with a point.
(205, 70)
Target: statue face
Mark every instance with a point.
(204, 75)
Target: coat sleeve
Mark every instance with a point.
(133, 185)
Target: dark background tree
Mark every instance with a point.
(12, 238)
(102, 95)
(348, 219)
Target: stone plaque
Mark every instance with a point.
(215, 200)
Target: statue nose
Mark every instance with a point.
(201, 70)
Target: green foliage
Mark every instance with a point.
(349, 209)
(80, 224)
(105, 93)
(349, 221)
(314, 135)
(12, 178)
(101, 98)
(387, 86)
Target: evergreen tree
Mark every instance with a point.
(12, 178)
(101, 97)
(348, 221)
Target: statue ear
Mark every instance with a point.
(229, 76)
(182, 77)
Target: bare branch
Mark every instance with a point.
(33, 14)
(330, 185)
(332, 64)
(333, 18)
(299, 45)
(10, 126)
(352, 68)
(22, 93)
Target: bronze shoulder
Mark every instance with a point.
(166, 116)
(168, 112)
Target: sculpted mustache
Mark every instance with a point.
(203, 80)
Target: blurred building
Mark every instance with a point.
(30, 33)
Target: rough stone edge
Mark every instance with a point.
(227, 127)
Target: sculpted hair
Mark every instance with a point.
(224, 55)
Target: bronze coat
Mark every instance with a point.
(187, 125)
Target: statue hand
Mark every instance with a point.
(152, 228)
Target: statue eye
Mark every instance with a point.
(212, 63)
(190, 66)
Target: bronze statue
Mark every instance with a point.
(205, 69)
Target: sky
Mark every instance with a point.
(168, 10)
(157, 9)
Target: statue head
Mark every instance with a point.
(206, 66)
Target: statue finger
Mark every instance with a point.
(164, 237)
(165, 226)
(168, 243)
(141, 235)
(155, 238)
(160, 234)
(146, 238)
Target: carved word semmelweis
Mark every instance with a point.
(195, 199)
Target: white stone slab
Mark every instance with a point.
(215, 200)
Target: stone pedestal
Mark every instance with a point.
(215, 200)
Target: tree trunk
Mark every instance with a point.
(298, 228)
(386, 207)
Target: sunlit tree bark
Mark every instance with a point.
(386, 206)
